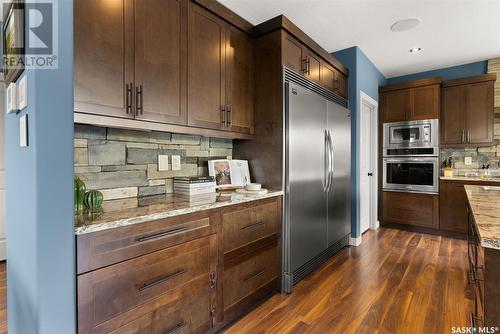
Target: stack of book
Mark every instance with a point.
(199, 189)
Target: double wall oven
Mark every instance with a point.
(411, 156)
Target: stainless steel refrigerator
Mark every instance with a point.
(317, 177)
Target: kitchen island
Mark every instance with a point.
(484, 253)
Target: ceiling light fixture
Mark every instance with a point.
(406, 24)
(415, 50)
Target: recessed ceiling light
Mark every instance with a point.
(415, 50)
(406, 24)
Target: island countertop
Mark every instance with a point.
(485, 207)
(131, 211)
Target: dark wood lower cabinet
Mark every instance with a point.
(411, 209)
(484, 270)
(178, 275)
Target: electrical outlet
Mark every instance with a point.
(162, 163)
(468, 160)
(176, 162)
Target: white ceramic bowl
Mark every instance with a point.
(253, 186)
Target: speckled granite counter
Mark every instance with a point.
(139, 210)
(470, 179)
(485, 206)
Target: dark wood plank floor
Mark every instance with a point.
(395, 282)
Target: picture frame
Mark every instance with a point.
(13, 41)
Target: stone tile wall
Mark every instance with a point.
(124, 163)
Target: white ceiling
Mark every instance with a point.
(451, 32)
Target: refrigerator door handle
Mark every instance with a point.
(331, 162)
(326, 159)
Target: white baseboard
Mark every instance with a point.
(3, 252)
(355, 241)
(376, 227)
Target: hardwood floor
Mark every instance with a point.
(395, 282)
(3, 298)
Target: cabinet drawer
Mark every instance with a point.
(99, 249)
(247, 225)
(129, 290)
(411, 209)
(189, 313)
(248, 276)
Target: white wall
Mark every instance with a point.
(2, 175)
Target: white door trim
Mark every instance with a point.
(366, 99)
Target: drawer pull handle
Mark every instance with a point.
(161, 234)
(176, 328)
(162, 279)
(254, 225)
(253, 276)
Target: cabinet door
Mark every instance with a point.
(425, 102)
(452, 207)
(103, 58)
(328, 76)
(395, 105)
(342, 84)
(292, 54)
(453, 116)
(313, 65)
(160, 55)
(479, 108)
(239, 80)
(206, 64)
(411, 209)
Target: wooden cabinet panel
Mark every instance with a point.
(247, 277)
(479, 106)
(452, 207)
(411, 209)
(245, 226)
(103, 38)
(453, 116)
(292, 54)
(329, 77)
(342, 85)
(111, 297)
(425, 102)
(103, 248)
(206, 65)
(160, 60)
(239, 80)
(395, 105)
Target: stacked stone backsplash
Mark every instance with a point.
(124, 163)
(480, 155)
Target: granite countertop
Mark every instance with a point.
(471, 178)
(485, 206)
(130, 211)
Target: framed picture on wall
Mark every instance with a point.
(13, 41)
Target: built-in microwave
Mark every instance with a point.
(422, 133)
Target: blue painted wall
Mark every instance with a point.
(39, 202)
(363, 76)
(448, 73)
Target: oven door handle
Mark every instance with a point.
(422, 159)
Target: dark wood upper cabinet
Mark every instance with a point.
(206, 65)
(313, 65)
(415, 100)
(329, 77)
(103, 65)
(467, 117)
(394, 105)
(479, 106)
(425, 102)
(160, 61)
(453, 116)
(239, 81)
(292, 54)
